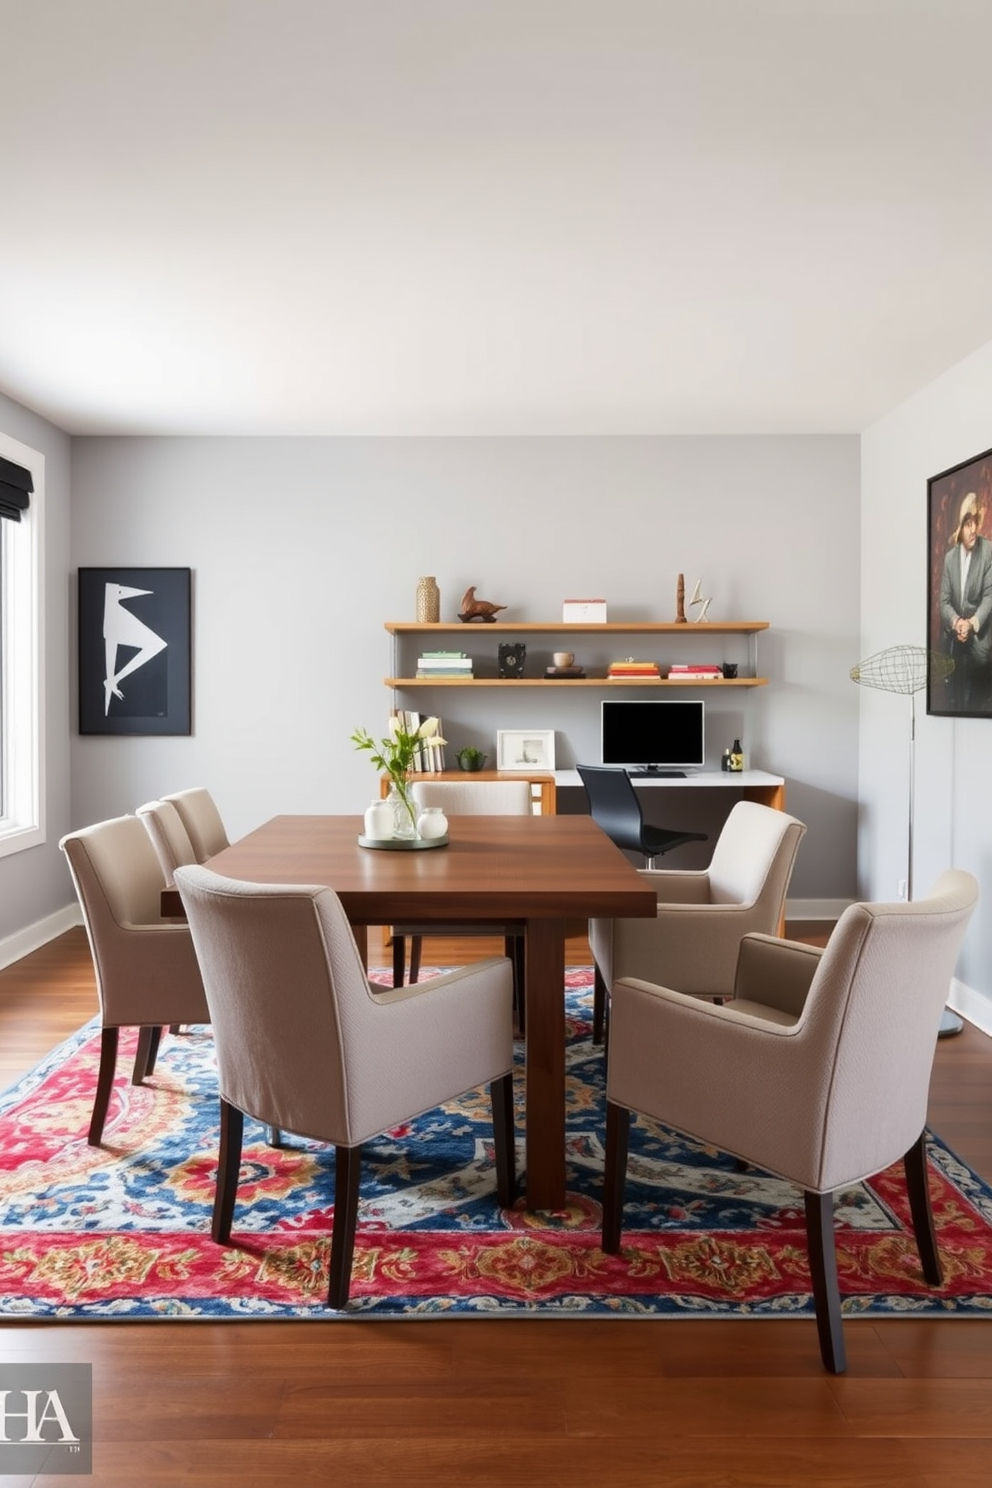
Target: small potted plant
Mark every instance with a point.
(471, 758)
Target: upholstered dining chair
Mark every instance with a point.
(168, 837)
(146, 970)
(203, 822)
(817, 1071)
(703, 915)
(304, 1043)
(467, 798)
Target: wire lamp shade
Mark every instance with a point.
(906, 669)
(901, 669)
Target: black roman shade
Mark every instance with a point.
(15, 487)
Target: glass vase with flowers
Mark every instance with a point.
(395, 756)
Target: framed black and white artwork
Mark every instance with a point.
(134, 651)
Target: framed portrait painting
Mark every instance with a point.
(134, 651)
(959, 590)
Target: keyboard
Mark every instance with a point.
(656, 774)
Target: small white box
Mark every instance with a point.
(576, 611)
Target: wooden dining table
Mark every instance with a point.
(542, 870)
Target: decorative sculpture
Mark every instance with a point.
(680, 601)
(697, 599)
(477, 609)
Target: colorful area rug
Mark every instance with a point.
(123, 1231)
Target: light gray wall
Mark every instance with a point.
(940, 426)
(302, 548)
(35, 883)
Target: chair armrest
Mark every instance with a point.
(389, 996)
(678, 886)
(693, 947)
(775, 973)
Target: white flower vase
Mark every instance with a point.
(380, 820)
(431, 823)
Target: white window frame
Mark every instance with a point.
(22, 730)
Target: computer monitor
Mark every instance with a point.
(661, 733)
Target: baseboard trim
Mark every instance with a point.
(971, 1005)
(815, 909)
(33, 937)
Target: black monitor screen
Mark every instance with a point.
(657, 731)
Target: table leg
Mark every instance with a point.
(766, 795)
(545, 1063)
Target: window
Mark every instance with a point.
(22, 798)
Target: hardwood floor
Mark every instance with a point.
(619, 1404)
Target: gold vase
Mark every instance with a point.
(428, 601)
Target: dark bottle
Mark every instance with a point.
(736, 756)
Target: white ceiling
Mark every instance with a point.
(490, 216)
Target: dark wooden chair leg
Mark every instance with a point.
(232, 1125)
(347, 1171)
(598, 1006)
(146, 1053)
(399, 960)
(513, 946)
(614, 1174)
(275, 1137)
(416, 948)
(823, 1269)
(504, 1140)
(104, 1084)
(915, 1165)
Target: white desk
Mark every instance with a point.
(754, 785)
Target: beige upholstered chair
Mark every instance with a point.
(304, 1044)
(169, 837)
(817, 1071)
(703, 915)
(467, 798)
(202, 821)
(146, 971)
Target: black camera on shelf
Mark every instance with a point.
(511, 659)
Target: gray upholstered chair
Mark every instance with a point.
(305, 1044)
(467, 798)
(202, 821)
(703, 914)
(169, 837)
(818, 1070)
(146, 971)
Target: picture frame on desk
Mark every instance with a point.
(525, 749)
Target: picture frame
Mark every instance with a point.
(525, 749)
(134, 643)
(959, 510)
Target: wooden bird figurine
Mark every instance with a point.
(477, 609)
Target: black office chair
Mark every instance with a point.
(614, 806)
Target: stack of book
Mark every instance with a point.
(628, 669)
(444, 664)
(430, 754)
(697, 672)
(564, 671)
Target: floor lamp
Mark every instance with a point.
(905, 669)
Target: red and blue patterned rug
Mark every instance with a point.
(123, 1230)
